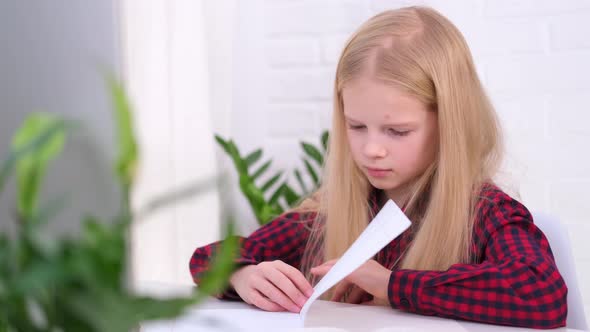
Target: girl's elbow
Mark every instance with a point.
(561, 306)
(552, 307)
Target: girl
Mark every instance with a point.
(411, 123)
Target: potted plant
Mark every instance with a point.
(80, 283)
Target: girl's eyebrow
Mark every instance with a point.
(351, 119)
(399, 124)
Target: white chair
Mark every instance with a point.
(559, 240)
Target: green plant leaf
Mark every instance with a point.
(274, 198)
(222, 265)
(291, 196)
(34, 126)
(238, 161)
(149, 309)
(31, 167)
(253, 157)
(37, 277)
(224, 144)
(232, 150)
(254, 195)
(324, 139)
(271, 182)
(300, 181)
(36, 244)
(102, 309)
(311, 172)
(49, 210)
(261, 170)
(127, 152)
(313, 152)
(28, 189)
(17, 153)
(269, 212)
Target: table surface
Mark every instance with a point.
(324, 316)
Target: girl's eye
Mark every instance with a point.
(394, 132)
(355, 127)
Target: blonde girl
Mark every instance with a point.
(411, 123)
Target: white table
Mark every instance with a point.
(217, 315)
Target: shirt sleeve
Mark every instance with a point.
(516, 283)
(284, 238)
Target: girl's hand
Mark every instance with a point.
(370, 279)
(272, 286)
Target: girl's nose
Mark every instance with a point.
(374, 150)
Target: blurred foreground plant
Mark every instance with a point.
(80, 284)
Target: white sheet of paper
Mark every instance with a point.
(388, 224)
(226, 316)
(373, 318)
(325, 316)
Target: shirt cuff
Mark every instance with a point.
(229, 294)
(405, 289)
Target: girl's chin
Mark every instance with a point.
(385, 183)
(381, 183)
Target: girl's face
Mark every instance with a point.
(393, 136)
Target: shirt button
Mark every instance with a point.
(404, 303)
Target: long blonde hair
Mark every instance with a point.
(419, 51)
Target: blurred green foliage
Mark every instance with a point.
(80, 284)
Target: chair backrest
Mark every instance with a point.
(559, 240)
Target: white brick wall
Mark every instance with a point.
(533, 56)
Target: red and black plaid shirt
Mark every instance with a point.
(513, 280)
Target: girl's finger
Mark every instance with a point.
(367, 297)
(258, 300)
(340, 290)
(268, 289)
(297, 278)
(320, 270)
(356, 295)
(286, 286)
(317, 270)
(329, 263)
(371, 302)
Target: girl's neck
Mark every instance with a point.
(399, 195)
